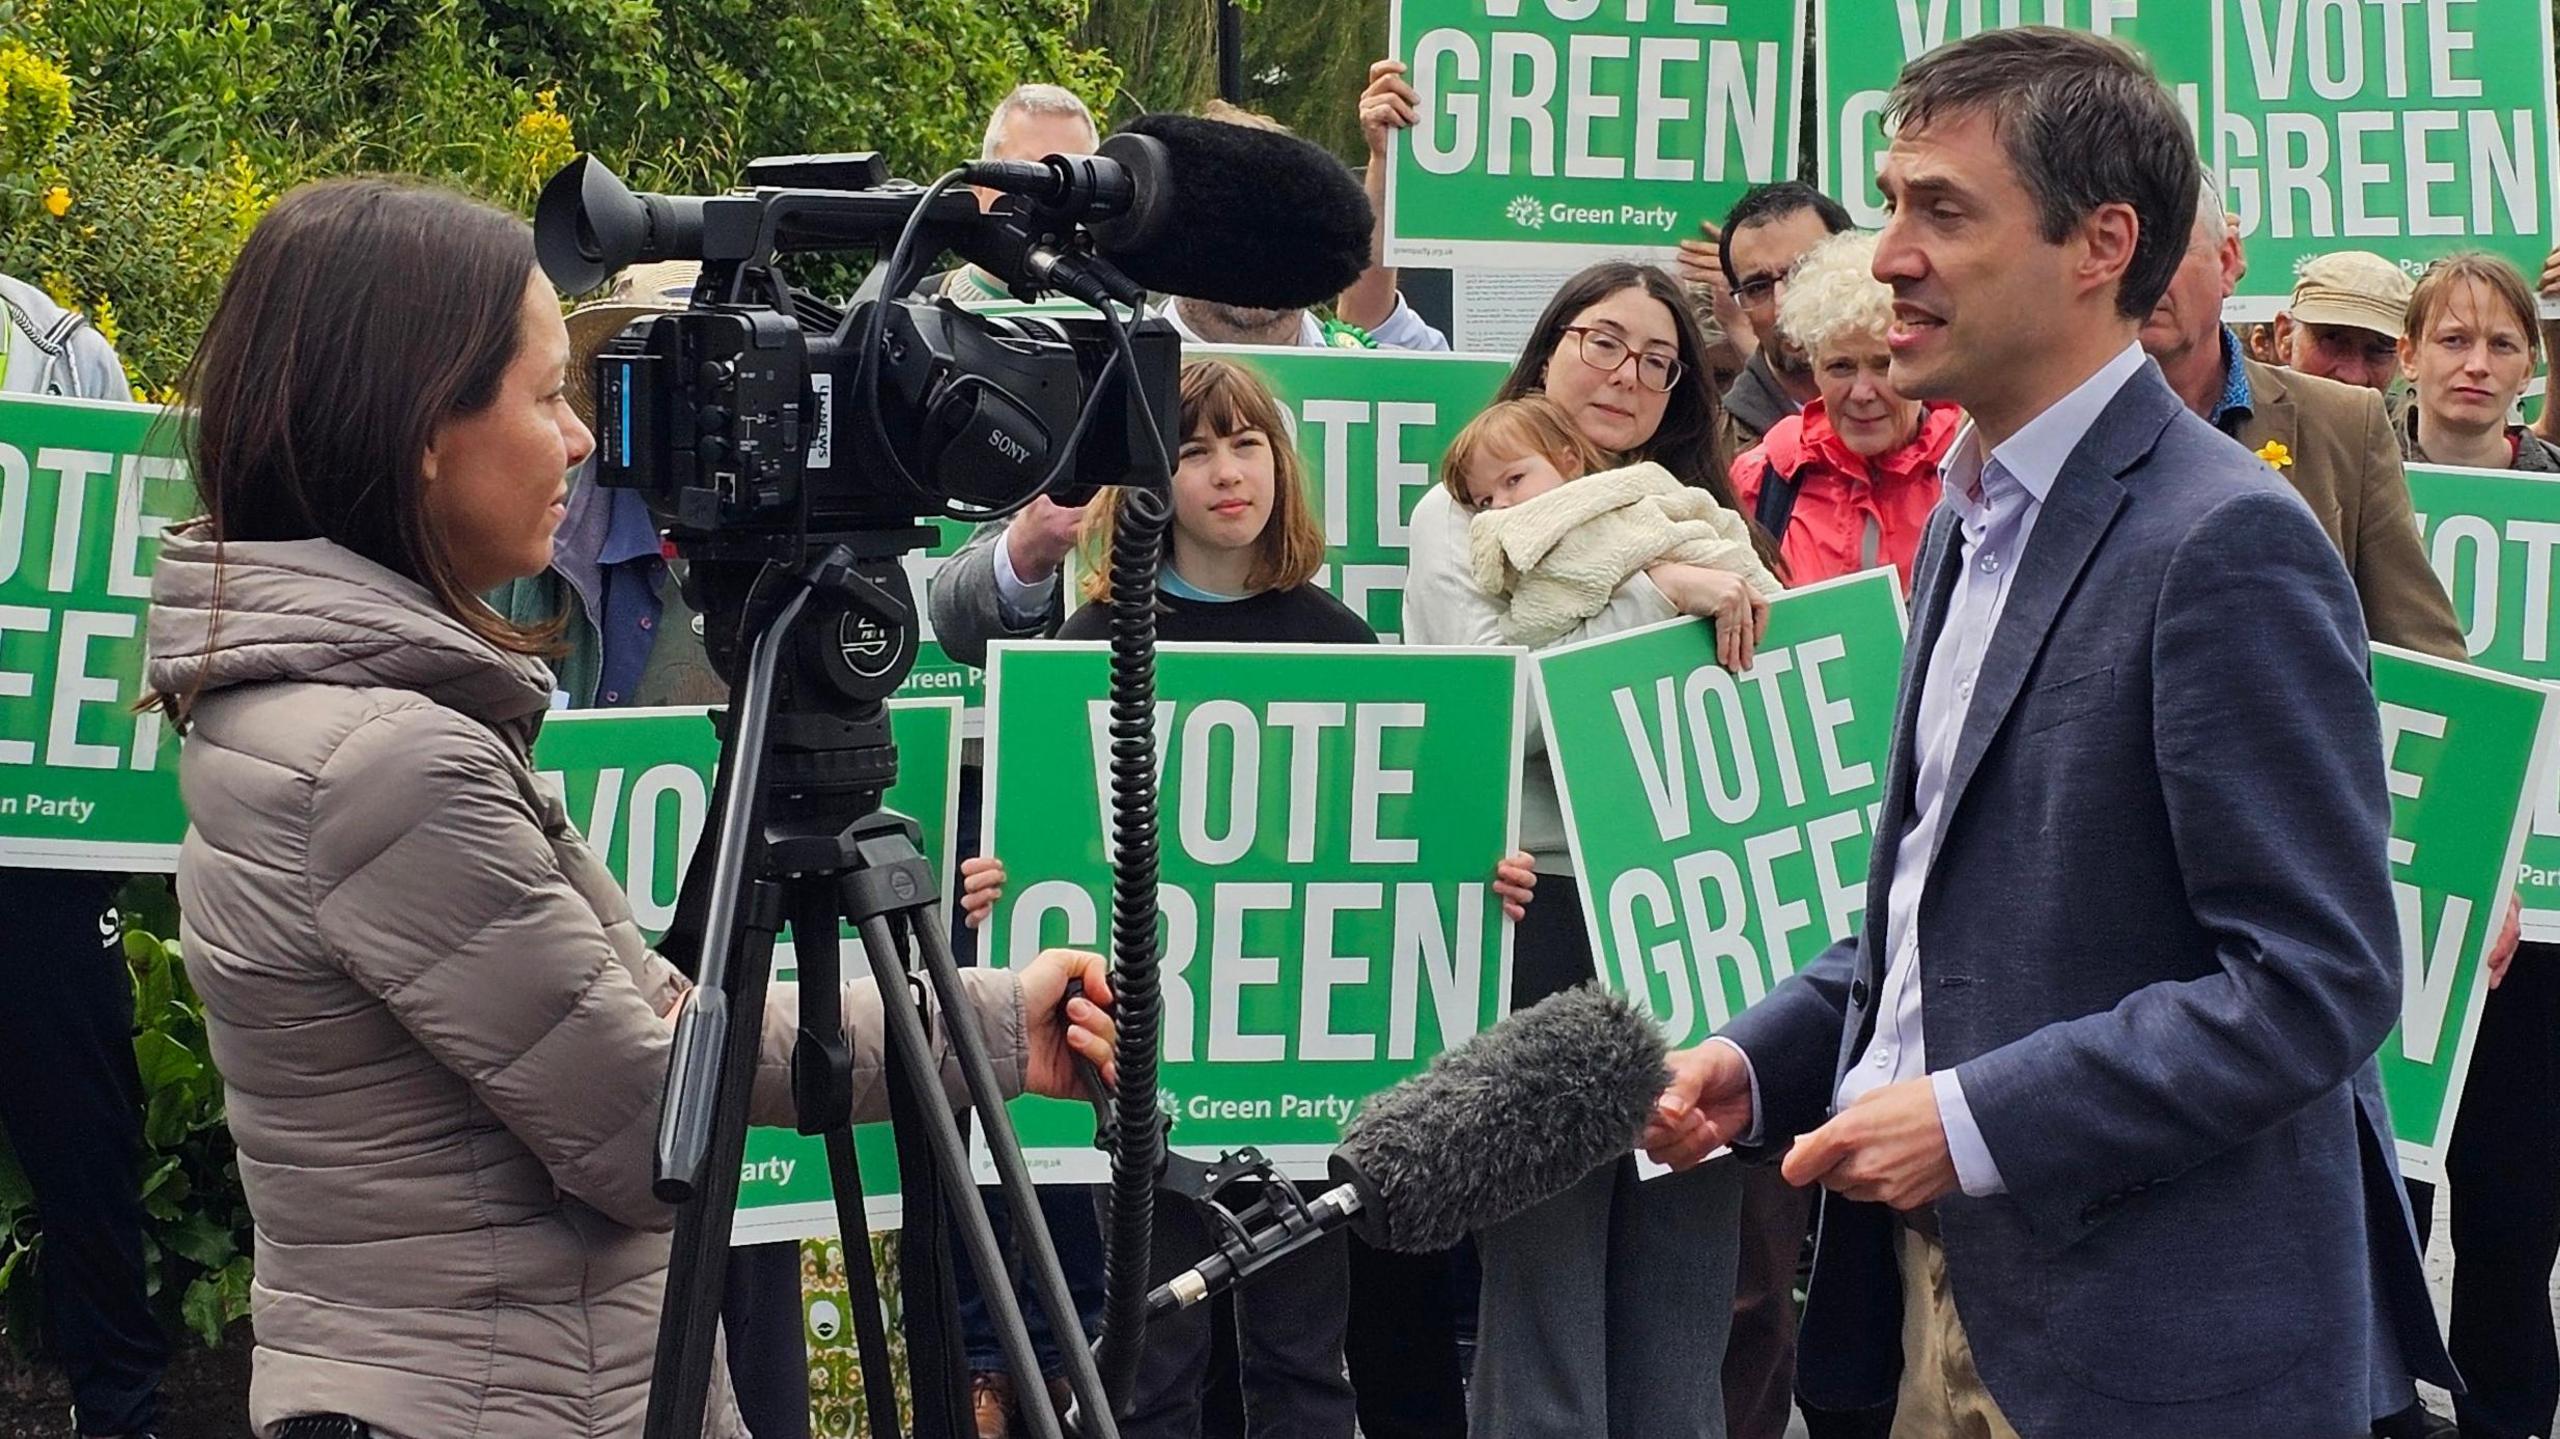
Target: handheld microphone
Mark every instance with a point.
(1507, 1120)
(1208, 210)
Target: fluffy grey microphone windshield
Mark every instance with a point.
(1503, 1121)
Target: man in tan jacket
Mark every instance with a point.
(2332, 441)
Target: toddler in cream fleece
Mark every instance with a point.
(1557, 530)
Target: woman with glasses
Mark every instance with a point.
(1604, 1310)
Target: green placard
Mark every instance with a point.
(2403, 128)
(637, 783)
(1331, 820)
(1556, 132)
(86, 487)
(1865, 43)
(2463, 748)
(1371, 426)
(2492, 536)
(1721, 822)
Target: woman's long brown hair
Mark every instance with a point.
(362, 314)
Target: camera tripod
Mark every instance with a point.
(800, 838)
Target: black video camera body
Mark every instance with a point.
(752, 412)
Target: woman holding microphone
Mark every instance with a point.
(442, 1038)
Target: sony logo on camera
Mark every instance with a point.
(1007, 446)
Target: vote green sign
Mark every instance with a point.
(1371, 426)
(637, 783)
(85, 488)
(1332, 816)
(1555, 132)
(1865, 43)
(1720, 821)
(2463, 748)
(2406, 127)
(2409, 129)
(2492, 536)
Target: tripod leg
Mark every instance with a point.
(879, 1381)
(1040, 1255)
(822, 1089)
(698, 1262)
(911, 1052)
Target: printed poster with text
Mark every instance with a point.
(2463, 748)
(637, 784)
(1720, 821)
(1558, 132)
(1331, 818)
(2493, 537)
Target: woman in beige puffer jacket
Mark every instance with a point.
(441, 1036)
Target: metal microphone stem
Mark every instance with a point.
(1237, 1260)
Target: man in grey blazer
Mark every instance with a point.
(2093, 1094)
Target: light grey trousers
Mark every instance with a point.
(1605, 1309)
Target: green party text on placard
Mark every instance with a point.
(1370, 426)
(86, 487)
(637, 783)
(2463, 750)
(2493, 537)
(1331, 818)
(1865, 44)
(1557, 131)
(1720, 821)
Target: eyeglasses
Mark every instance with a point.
(1605, 352)
(1757, 291)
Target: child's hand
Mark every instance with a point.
(1740, 613)
(1516, 882)
(981, 885)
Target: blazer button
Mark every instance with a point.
(1857, 994)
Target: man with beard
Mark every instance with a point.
(1767, 231)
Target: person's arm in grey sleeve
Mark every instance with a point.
(970, 604)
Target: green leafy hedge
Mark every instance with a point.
(140, 139)
(196, 1224)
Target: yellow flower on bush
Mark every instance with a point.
(57, 202)
(2275, 454)
(103, 315)
(543, 139)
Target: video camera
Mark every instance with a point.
(762, 411)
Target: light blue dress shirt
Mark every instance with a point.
(1995, 500)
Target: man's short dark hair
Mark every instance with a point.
(2085, 123)
(1765, 204)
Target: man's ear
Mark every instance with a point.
(2108, 235)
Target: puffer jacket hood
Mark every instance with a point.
(311, 611)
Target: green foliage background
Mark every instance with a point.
(186, 118)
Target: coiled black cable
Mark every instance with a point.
(1137, 1127)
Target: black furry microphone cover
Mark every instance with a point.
(1248, 217)
(1504, 1121)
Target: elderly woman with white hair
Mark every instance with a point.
(1846, 484)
